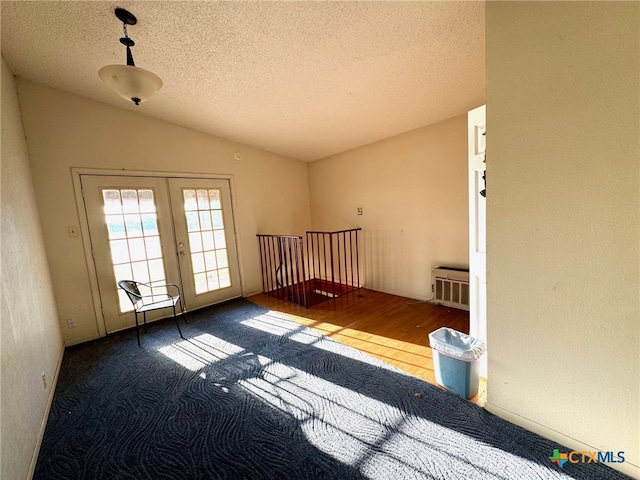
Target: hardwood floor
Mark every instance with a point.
(391, 328)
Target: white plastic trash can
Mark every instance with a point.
(455, 364)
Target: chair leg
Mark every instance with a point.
(137, 328)
(183, 311)
(176, 320)
(144, 319)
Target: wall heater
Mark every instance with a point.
(451, 287)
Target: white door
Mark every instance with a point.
(477, 228)
(205, 237)
(138, 232)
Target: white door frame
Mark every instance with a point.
(477, 229)
(84, 224)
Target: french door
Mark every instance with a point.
(157, 231)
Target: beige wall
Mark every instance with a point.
(413, 191)
(31, 343)
(563, 231)
(65, 131)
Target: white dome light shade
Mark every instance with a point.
(133, 83)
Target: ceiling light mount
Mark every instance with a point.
(130, 82)
(126, 17)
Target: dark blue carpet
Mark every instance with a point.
(250, 395)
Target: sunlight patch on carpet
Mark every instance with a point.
(200, 351)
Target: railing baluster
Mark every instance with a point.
(337, 235)
(310, 261)
(262, 263)
(344, 244)
(286, 270)
(292, 281)
(312, 270)
(273, 259)
(267, 249)
(304, 276)
(297, 261)
(357, 260)
(351, 254)
(333, 285)
(317, 273)
(294, 272)
(316, 261)
(275, 265)
(272, 268)
(267, 266)
(347, 254)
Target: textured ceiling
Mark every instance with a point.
(302, 79)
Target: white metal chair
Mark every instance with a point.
(153, 301)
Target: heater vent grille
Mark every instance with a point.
(451, 287)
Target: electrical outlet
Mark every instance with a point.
(359, 211)
(71, 323)
(44, 380)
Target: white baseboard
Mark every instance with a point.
(252, 293)
(627, 467)
(45, 416)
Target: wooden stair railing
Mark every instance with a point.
(328, 266)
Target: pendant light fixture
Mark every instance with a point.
(130, 82)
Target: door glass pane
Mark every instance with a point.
(153, 247)
(203, 212)
(193, 223)
(137, 249)
(140, 271)
(190, 201)
(225, 278)
(210, 260)
(115, 226)
(134, 225)
(197, 262)
(200, 280)
(217, 219)
(203, 199)
(195, 242)
(147, 203)
(156, 271)
(136, 254)
(221, 257)
(149, 223)
(212, 281)
(130, 201)
(220, 240)
(207, 241)
(123, 270)
(119, 251)
(205, 220)
(214, 198)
